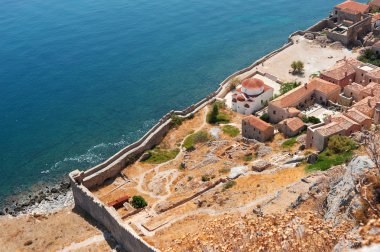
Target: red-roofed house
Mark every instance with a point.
(255, 128)
(291, 127)
(374, 5)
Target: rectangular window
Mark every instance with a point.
(274, 112)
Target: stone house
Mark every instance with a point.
(349, 22)
(317, 135)
(349, 125)
(317, 90)
(342, 74)
(367, 106)
(255, 128)
(291, 127)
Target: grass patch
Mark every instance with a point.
(339, 151)
(197, 137)
(158, 155)
(248, 158)
(228, 185)
(231, 130)
(289, 143)
(311, 119)
(328, 159)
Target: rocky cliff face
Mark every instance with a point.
(342, 202)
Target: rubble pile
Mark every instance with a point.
(291, 232)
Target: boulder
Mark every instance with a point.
(302, 147)
(337, 45)
(312, 158)
(145, 156)
(260, 165)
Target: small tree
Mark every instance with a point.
(234, 83)
(138, 202)
(340, 144)
(212, 117)
(297, 66)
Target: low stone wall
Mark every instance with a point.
(108, 217)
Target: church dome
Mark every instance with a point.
(252, 83)
(252, 86)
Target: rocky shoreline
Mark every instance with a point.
(50, 198)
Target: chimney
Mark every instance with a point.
(306, 85)
(369, 102)
(345, 74)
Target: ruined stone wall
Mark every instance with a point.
(109, 218)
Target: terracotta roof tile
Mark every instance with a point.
(291, 98)
(329, 129)
(353, 7)
(343, 121)
(294, 123)
(356, 115)
(339, 70)
(257, 123)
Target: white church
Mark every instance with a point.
(251, 96)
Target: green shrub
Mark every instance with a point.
(287, 86)
(213, 114)
(228, 185)
(341, 144)
(205, 178)
(138, 202)
(265, 117)
(231, 130)
(289, 142)
(310, 119)
(181, 166)
(234, 83)
(158, 155)
(176, 120)
(197, 137)
(189, 178)
(339, 151)
(370, 57)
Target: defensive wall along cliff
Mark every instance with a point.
(82, 181)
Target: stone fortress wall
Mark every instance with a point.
(81, 181)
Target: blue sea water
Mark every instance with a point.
(80, 79)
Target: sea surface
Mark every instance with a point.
(80, 79)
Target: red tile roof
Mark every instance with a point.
(291, 98)
(294, 123)
(257, 123)
(353, 7)
(375, 3)
(340, 70)
(344, 121)
(329, 129)
(356, 115)
(252, 83)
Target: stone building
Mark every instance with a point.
(255, 128)
(251, 96)
(291, 127)
(349, 125)
(317, 90)
(317, 135)
(349, 22)
(376, 47)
